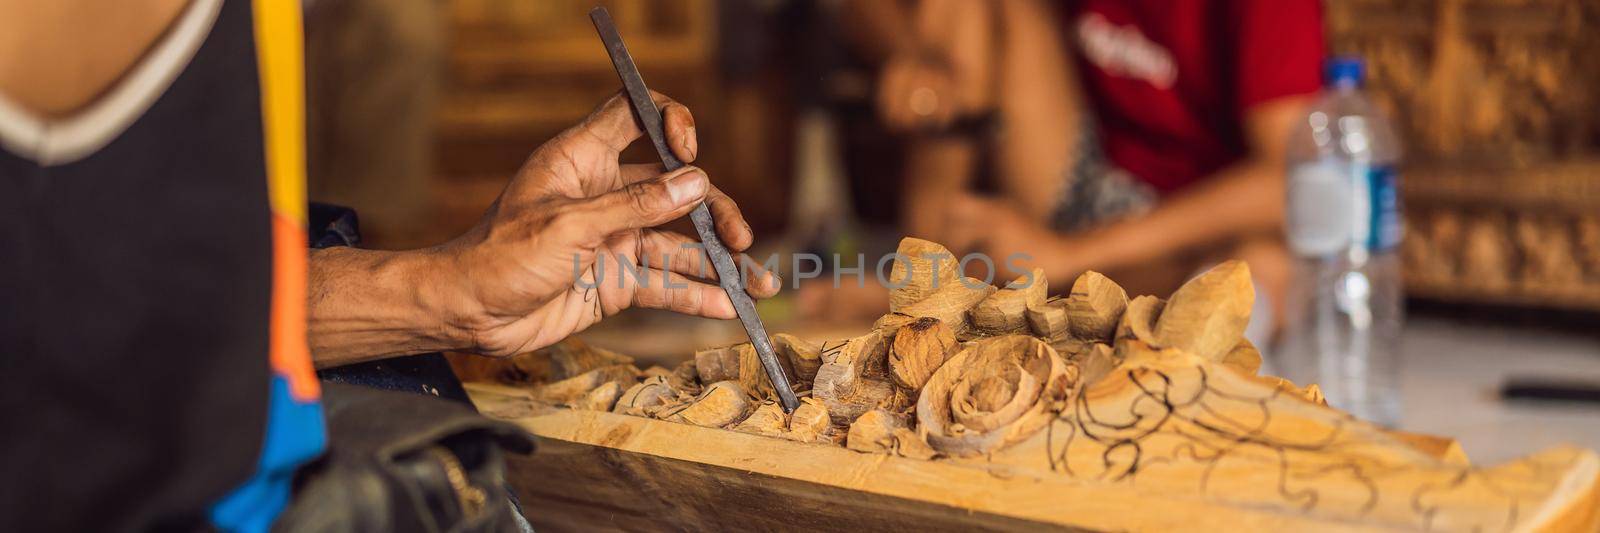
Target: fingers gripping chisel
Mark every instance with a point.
(727, 271)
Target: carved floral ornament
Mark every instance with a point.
(1162, 396)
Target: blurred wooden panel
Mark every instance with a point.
(1498, 102)
(518, 36)
(519, 72)
(518, 66)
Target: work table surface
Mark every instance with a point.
(1451, 376)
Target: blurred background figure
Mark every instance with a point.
(1142, 139)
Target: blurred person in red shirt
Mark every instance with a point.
(1142, 138)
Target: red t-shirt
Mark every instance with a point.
(1169, 81)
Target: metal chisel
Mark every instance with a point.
(728, 272)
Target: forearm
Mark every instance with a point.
(1243, 199)
(370, 304)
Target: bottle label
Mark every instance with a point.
(1320, 208)
(1334, 206)
(1386, 228)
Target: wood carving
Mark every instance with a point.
(602, 398)
(1049, 319)
(768, 419)
(893, 322)
(1159, 408)
(990, 394)
(804, 357)
(722, 403)
(926, 281)
(854, 377)
(571, 390)
(717, 364)
(799, 358)
(685, 378)
(951, 303)
(1005, 311)
(1244, 356)
(1546, 247)
(1138, 322)
(921, 269)
(808, 423)
(647, 397)
(918, 350)
(1207, 315)
(1094, 306)
(1486, 256)
(874, 431)
(753, 376)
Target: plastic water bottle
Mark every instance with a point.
(1344, 228)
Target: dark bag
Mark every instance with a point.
(405, 463)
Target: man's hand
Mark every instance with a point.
(569, 241)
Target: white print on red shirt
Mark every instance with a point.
(1124, 51)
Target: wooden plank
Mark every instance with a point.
(622, 491)
(1167, 441)
(597, 470)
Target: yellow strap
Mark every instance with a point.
(280, 53)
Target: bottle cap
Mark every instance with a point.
(1343, 71)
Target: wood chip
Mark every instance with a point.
(569, 391)
(891, 323)
(646, 397)
(951, 303)
(1244, 356)
(854, 377)
(1094, 306)
(1049, 319)
(921, 269)
(1207, 315)
(1139, 320)
(918, 350)
(685, 378)
(1311, 393)
(602, 398)
(1095, 363)
(723, 403)
(804, 357)
(1006, 310)
(752, 375)
(874, 432)
(717, 364)
(656, 370)
(810, 421)
(767, 420)
(908, 443)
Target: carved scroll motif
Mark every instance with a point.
(1160, 397)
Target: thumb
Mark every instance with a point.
(642, 204)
